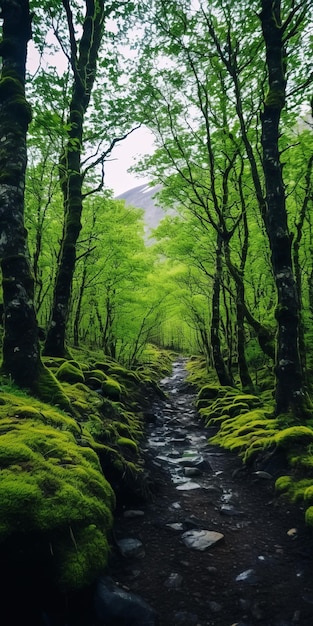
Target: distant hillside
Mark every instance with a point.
(142, 197)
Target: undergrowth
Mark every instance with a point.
(246, 424)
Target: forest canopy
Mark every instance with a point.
(226, 90)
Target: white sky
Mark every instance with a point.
(124, 156)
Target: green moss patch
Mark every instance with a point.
(53, 487)
(62, 463)
(48, 389)
(111, 388)
(70, 373)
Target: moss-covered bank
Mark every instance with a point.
(63, 470)
(246, 424)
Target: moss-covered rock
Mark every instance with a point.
(309, 516)
(48, 389)
(294, 435)
(129, 443)
(209, 392)
(95, 374)
(52, 486)
(111, 388)
(70, 373)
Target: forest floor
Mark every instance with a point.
(259, 573)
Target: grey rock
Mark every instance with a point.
(174, 581)
(191, 460)
(188, 486)
(228, 509)
(201, 539)
(130, 547)
(178, 441)
(262, 474)
(192, 471)
(248, 576)
(178, 526)
(175, 505)
(114, 605)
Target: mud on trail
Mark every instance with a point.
(259, 571)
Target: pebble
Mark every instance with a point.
(174, 581)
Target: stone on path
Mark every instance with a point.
(188, 486)
(248, 576)
(114, 605)
(174, 581)
(177, 526)
(201, 539)
(229, 509)
(131, 548)
(192, 471)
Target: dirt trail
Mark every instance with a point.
(260, 573)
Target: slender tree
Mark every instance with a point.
(21, 354)
(83, 60)
(289, 388)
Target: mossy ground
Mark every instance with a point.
(63, 463)
(246, 424)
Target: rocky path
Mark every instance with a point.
(214, 547)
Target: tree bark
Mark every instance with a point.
(289, 382)
(297, 264)
(224, 376)
(84, 72)
(21, 353)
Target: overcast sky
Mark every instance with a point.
(124, 156)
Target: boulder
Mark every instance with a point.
(114, 605)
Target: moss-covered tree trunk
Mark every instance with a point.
(223, 375)
(289, 381)
(243, 370)
(84, 66)
(21, 354)
(297, 264)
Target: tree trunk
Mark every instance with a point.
(243, 370)
(84, 72)
(289, 383)
(223, 375)
(21, 354)
(297, 265)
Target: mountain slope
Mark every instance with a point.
(143, 197)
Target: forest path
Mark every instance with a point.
(259, 573)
